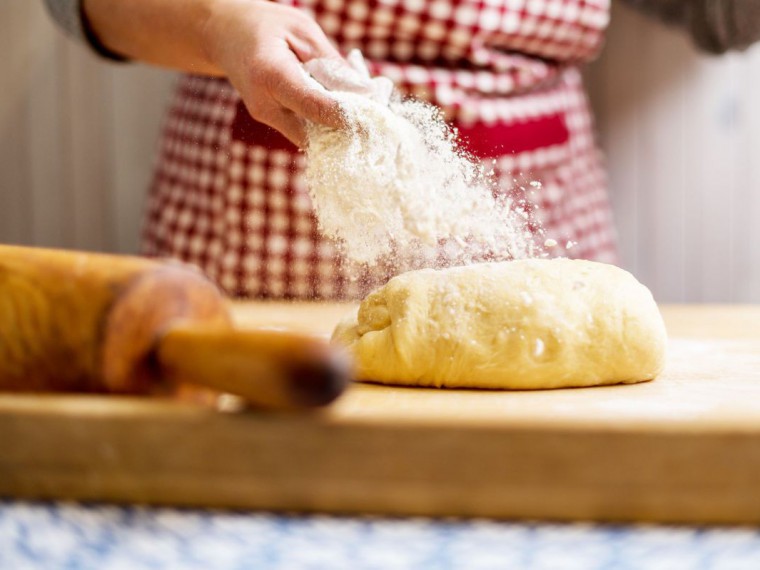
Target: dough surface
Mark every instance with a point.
(525, 324)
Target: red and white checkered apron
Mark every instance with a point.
(229, 195)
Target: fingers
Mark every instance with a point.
(263, 58)
(289, 86)
(287, 123)
(308, 41)
(308, 48)
(278, 93)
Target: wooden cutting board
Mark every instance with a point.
(685, 447)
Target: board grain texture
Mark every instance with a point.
(684, 448)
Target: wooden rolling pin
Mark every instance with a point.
(86, 322)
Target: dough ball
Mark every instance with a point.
(529, 324)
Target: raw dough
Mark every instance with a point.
(525, 324)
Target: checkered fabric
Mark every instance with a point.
(229, 195)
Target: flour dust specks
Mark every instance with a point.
(394, 185)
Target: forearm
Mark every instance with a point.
(259, 46)
(716, 25)
(169, 33)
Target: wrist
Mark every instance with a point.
(215, 27)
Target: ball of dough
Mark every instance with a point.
(524, 324)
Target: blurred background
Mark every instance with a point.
(681, 132)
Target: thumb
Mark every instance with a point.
(296, 92)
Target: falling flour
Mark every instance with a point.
(395, 185)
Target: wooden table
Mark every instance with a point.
(683, 448)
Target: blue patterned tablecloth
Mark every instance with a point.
(69, 536)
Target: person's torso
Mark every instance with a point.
(229, 194)
(466, 55)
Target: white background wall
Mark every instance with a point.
(681, 131)
(76, 137)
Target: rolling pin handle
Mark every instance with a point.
(269, 369)
(314, 386)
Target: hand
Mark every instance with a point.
(260, 46)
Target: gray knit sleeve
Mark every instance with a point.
(717, 26)
(69, 16)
